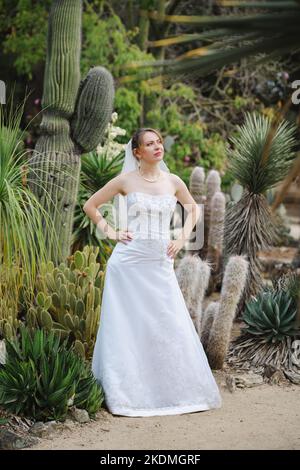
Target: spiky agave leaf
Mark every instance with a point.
(271, 316)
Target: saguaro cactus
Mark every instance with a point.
(75, 116)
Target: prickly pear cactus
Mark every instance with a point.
(69, 299)
(75, 115)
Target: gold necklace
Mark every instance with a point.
(150, 181)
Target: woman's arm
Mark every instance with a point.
(102, 196)
(190, 205)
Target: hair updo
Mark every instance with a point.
(137, 137)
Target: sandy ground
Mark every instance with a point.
(261, 417)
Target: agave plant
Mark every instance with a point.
(41, 378)
(271, 315)
(262, 156)
(269, 335)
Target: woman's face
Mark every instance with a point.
(151, 148)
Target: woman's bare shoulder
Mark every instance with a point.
(125, 179)
(176, 181)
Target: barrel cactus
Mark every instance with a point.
(75, 116)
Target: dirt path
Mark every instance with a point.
(262, 417)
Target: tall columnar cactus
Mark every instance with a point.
(197, 184)
(197, 190)
(69, 299)
(213, 184)
(233, 284)
(75, 115)
(215, 235)
(193, 277)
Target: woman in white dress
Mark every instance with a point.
(148, 356)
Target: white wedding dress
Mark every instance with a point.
(148, 356)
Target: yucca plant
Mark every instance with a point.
(41, 377)
(261, 157)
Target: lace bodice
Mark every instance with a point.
(149, 215)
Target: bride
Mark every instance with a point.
(148, 357)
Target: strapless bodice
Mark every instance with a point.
(149, 215)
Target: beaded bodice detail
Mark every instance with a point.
(149, 215)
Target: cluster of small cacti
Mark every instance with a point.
(10, 280)
(69, 299)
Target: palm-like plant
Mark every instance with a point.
(261, 157)
(22, 242)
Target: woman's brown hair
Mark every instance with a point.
(137, 137)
